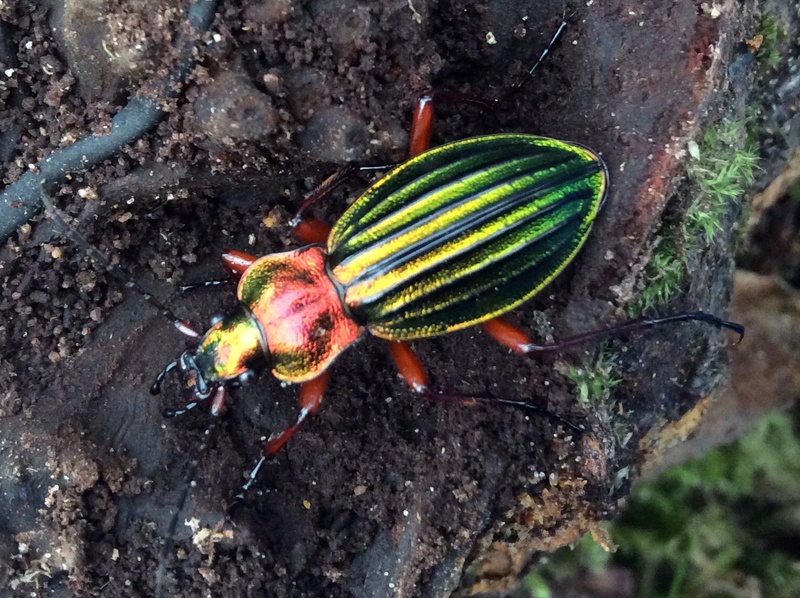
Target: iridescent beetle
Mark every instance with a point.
(451, 238)
(454, 237)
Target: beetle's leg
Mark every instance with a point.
(155, 389)
(309, 230)
(413, 372)
(185, 288)
(422, 121)
(508, 335)
(186, 408)
(409, 366)
(218, 399)
(322, 190)
(529, 74)
(236, 262)
(310, 398)
(419, 139)
(518, 341)
(316, 231)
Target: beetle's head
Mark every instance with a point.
(226, 354)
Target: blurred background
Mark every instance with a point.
(726, 523)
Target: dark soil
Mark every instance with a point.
(384, 493)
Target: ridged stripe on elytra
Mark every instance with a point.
(400, 192)
(436, 217)
(424, 185)
(470, 254)
(505, 212)
(465, 228)
(474, 298)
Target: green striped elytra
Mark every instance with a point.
(455, 236)
(464, 232)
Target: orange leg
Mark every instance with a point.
(236, 262)
(409, 365)
(508, 335)
(316, 231)
(310, 398)
(518, 341)
(312, 231)
(419, 139)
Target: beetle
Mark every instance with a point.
(454, 237)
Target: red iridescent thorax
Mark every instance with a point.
(300, 313)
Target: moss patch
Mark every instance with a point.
(723, 525)
(719, 171)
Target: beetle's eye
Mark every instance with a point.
(245, 378)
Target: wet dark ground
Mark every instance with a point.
(384, 493)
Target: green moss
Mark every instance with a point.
(719, 171)
(664, 274)
(594, 381)
(537, 587)
(724, 525)
(702, 525)
(773, 31)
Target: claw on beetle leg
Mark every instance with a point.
(184, 410)
(234, 262)
(322, 190)
(185, 288)
(218, 398)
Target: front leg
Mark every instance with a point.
(310, 398)
(234, 262)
